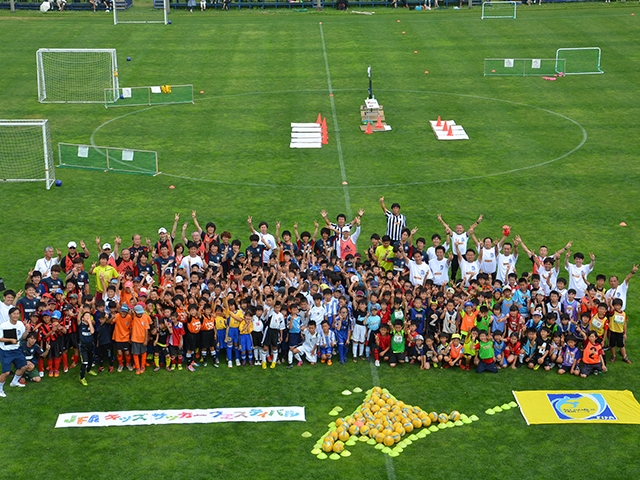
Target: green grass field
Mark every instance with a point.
(556, 160)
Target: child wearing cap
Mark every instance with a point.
(140, 325)
(122, 337)
(419, 352)
(456, 352)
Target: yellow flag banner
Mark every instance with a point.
(602, 406)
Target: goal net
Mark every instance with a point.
(142, 11)
(158, 95)
(580, 61)
(108, 159)
(499, 10)
(76, 75)
(523, 67)
(25, 152)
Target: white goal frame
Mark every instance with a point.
(46, 83)
(49, 174)
(165, 19)
(568, 65)
(490, 3)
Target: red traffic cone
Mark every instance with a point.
(325, 139)
(325, 132)
(439, 123)
(450, 133)
(379, 125)
(319, 120)
(323, 123)
(368, 131)
(444, 127)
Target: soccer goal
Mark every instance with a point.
(25, 152)
(580, 61)
(67, 75)
(142, 11)
(158, 95)
(499, 10)
(522, 67)
(108, 159)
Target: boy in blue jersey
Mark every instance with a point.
(294, 325)
(498, 348)
(343, 330)
(327, 342)
(373, 326)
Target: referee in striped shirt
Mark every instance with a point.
(395, 220)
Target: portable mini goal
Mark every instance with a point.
(499, 10)
(158, 95)
(522, 67)
(580, 61)
(108, 159)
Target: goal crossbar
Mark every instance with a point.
(581, 60)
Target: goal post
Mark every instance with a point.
(499, 9)
(142, 11)
(108, 159)
(76, 75)
(580, 61)
(522, 67)
(25, 152)
(157, 95)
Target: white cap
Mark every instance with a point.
(106, 246)
(72, 244)
(162, 230)
(179, 279)
(355, 279)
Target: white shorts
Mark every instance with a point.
(307, 353)
(359, 333)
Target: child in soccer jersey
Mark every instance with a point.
(485, 354)
(529, 349)
(570, 305)
(583, 328)
(221, 331)
(456, 352)
(373, 326)
(483, 320)
(592, 357)
(359, 334)
(515, 322)
(256, 333)
(468, 316)
(498, 321)
(469, 349)
(309, 347)
(570, 357)
(543, 350)
(176, 341)
(419, 352)
(498, 349)
(245, 342)
(56, 340)
(551, 322)
(161, 342)
(327, 340)
(600, 322)
(618, 322)
(410, 340)
(555, 349)
(294, 326)
(431, 355)
(449, 318)
(208, 337)
(192, 336)
(104, 340)
(342, 330)
(512, 351)
(273, 335)
(383, 345)
(566, 326)
(235, 316)
(86, 341)
(442, 348)
(32, 354)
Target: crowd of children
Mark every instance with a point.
(311, 296)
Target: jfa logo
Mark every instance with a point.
(580, 406)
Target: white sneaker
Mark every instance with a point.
(41, 374)
(17, 385)
(377, 363)
(2, 394)
(237, 362)
(120, 368)
(230, 364)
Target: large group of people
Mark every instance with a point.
(455, 301)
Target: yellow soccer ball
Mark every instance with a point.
(443, 418)
(343, 436)
(380, 437)
(388, 440)
(454, 416)
(433, 416)
(338, 447)
(327, 447)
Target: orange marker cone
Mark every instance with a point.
(319, 120)
(379, 125)
(444, 127)
(325, 132)
(324, 125)
(450, 133)
(368, 131)
(439, 123)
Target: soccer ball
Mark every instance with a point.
(58, 183)
(433, 416)
(443, 418)
(128, 59)
(454, 416)
(169, 22)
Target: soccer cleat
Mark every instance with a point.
(237, 362)
(179, 366)
(217, 361)
(626, 360)
(377, 363)
(216, 365)
(273, 365)
(41, 374)
(156, 369)
(51, 373)
(111, 369)
(138, 371)
(2, 394)
(300, 363)
(322, 360)
(120, 368)
(169, 369)
(100, 369)
(83, 381)
(536, 366)
(289, 366)
(205, 364)
(91, 372)
(130, 367)
(66, 370)
(230, 364)
(264, 365)
(56, 373)
(17, 384)
(195, 364)
(73, 365)
(191, 368)
(173, 366)
(329, 362)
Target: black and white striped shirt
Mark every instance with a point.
(395, 224)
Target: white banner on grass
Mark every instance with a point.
(172, 417)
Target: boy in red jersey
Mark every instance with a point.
(175, 341)
(383, 344)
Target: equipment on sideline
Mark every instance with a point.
(157, 95)
(306, 135)
(580, 61)
(499, 10)
(108, 159)
(126, 12)
(448, 130)
(25, 152)
(76, 75)
(525, 67)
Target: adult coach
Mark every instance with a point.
(395, 220)
(617, 290)
(44, 264)
(11, 333)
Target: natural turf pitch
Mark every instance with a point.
(261, 70)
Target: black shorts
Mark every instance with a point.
(70, 340)
(396, 357)
(174, 351)
(207, 339)
(191, 341)
(272, 338)
(160, 350)
(587, 368)
(86, 353)
(616, 339)
(256, 338)
(56, 347)
(122, 346)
